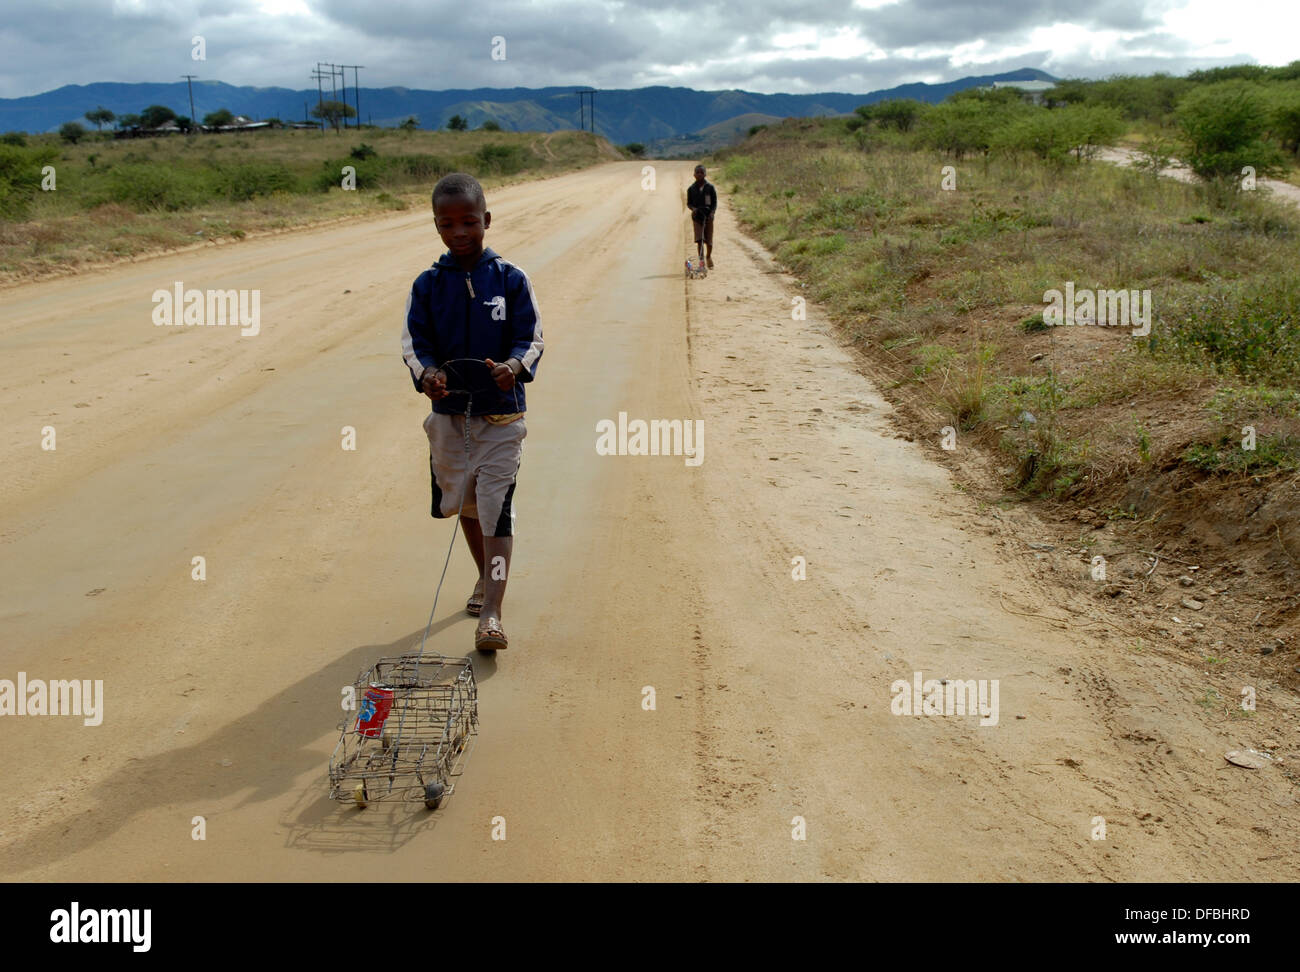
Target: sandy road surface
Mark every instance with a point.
(773, 694)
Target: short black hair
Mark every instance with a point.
(459, 184)
(700, 168)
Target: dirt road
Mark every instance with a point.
(773, 695)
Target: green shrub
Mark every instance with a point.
(1053, 134)
(145, 187)
(501, 159)
(20, 178)
(251, 179)
(1251, 329)
(1223, 128)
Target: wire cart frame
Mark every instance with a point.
(419, 749)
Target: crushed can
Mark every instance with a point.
(375, 706)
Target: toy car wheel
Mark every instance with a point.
(360, 795)
(433, 793)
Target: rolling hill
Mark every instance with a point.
(622, 115)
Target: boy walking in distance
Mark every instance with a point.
(474, 304)
(702, 201)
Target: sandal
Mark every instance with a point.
(490, 636)
(474, 606)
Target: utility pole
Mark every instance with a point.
(583, 95)
(318, 74)
(335, 71)
(356, 88)
(189, 83)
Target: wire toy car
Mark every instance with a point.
(412, 733)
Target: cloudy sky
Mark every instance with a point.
(759, 45)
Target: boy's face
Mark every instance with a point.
(699, 175)
(461, 223)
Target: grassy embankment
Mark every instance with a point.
(116, 199)
(943, 291)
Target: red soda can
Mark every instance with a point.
(375, 706)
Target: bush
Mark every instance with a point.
(156, 115)
(13, 138)
(20, 178)
(71, 132)
(378, 172)
(422, 168)
(490, 126)
(964, 126)
(1223, 128)
(363, 151)
(897, 113)
(1251, 329)
(501, 159)
(1284, 115)
(145, 187)
(251, 179)
(1053, 134)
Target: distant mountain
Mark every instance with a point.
(622, 115)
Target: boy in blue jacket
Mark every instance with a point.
(474, 304)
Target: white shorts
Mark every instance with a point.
(485, 480)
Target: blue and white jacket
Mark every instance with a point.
(488, 312)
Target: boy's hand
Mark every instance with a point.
(503, 374)
(434, 384)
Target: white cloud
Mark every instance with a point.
(763, 45)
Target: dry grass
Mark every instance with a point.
(80, 223)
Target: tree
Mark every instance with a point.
(215, 119)
(1053, 134)
(127, 121)
(489, 126)
(71, 132)
(899, 113)
(457, 124)
(156, 115)
(184, 122)
(410, 124)
(333, 112)
(1285, 119)
(634, 148)
(99, 117)
(1223, 128)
